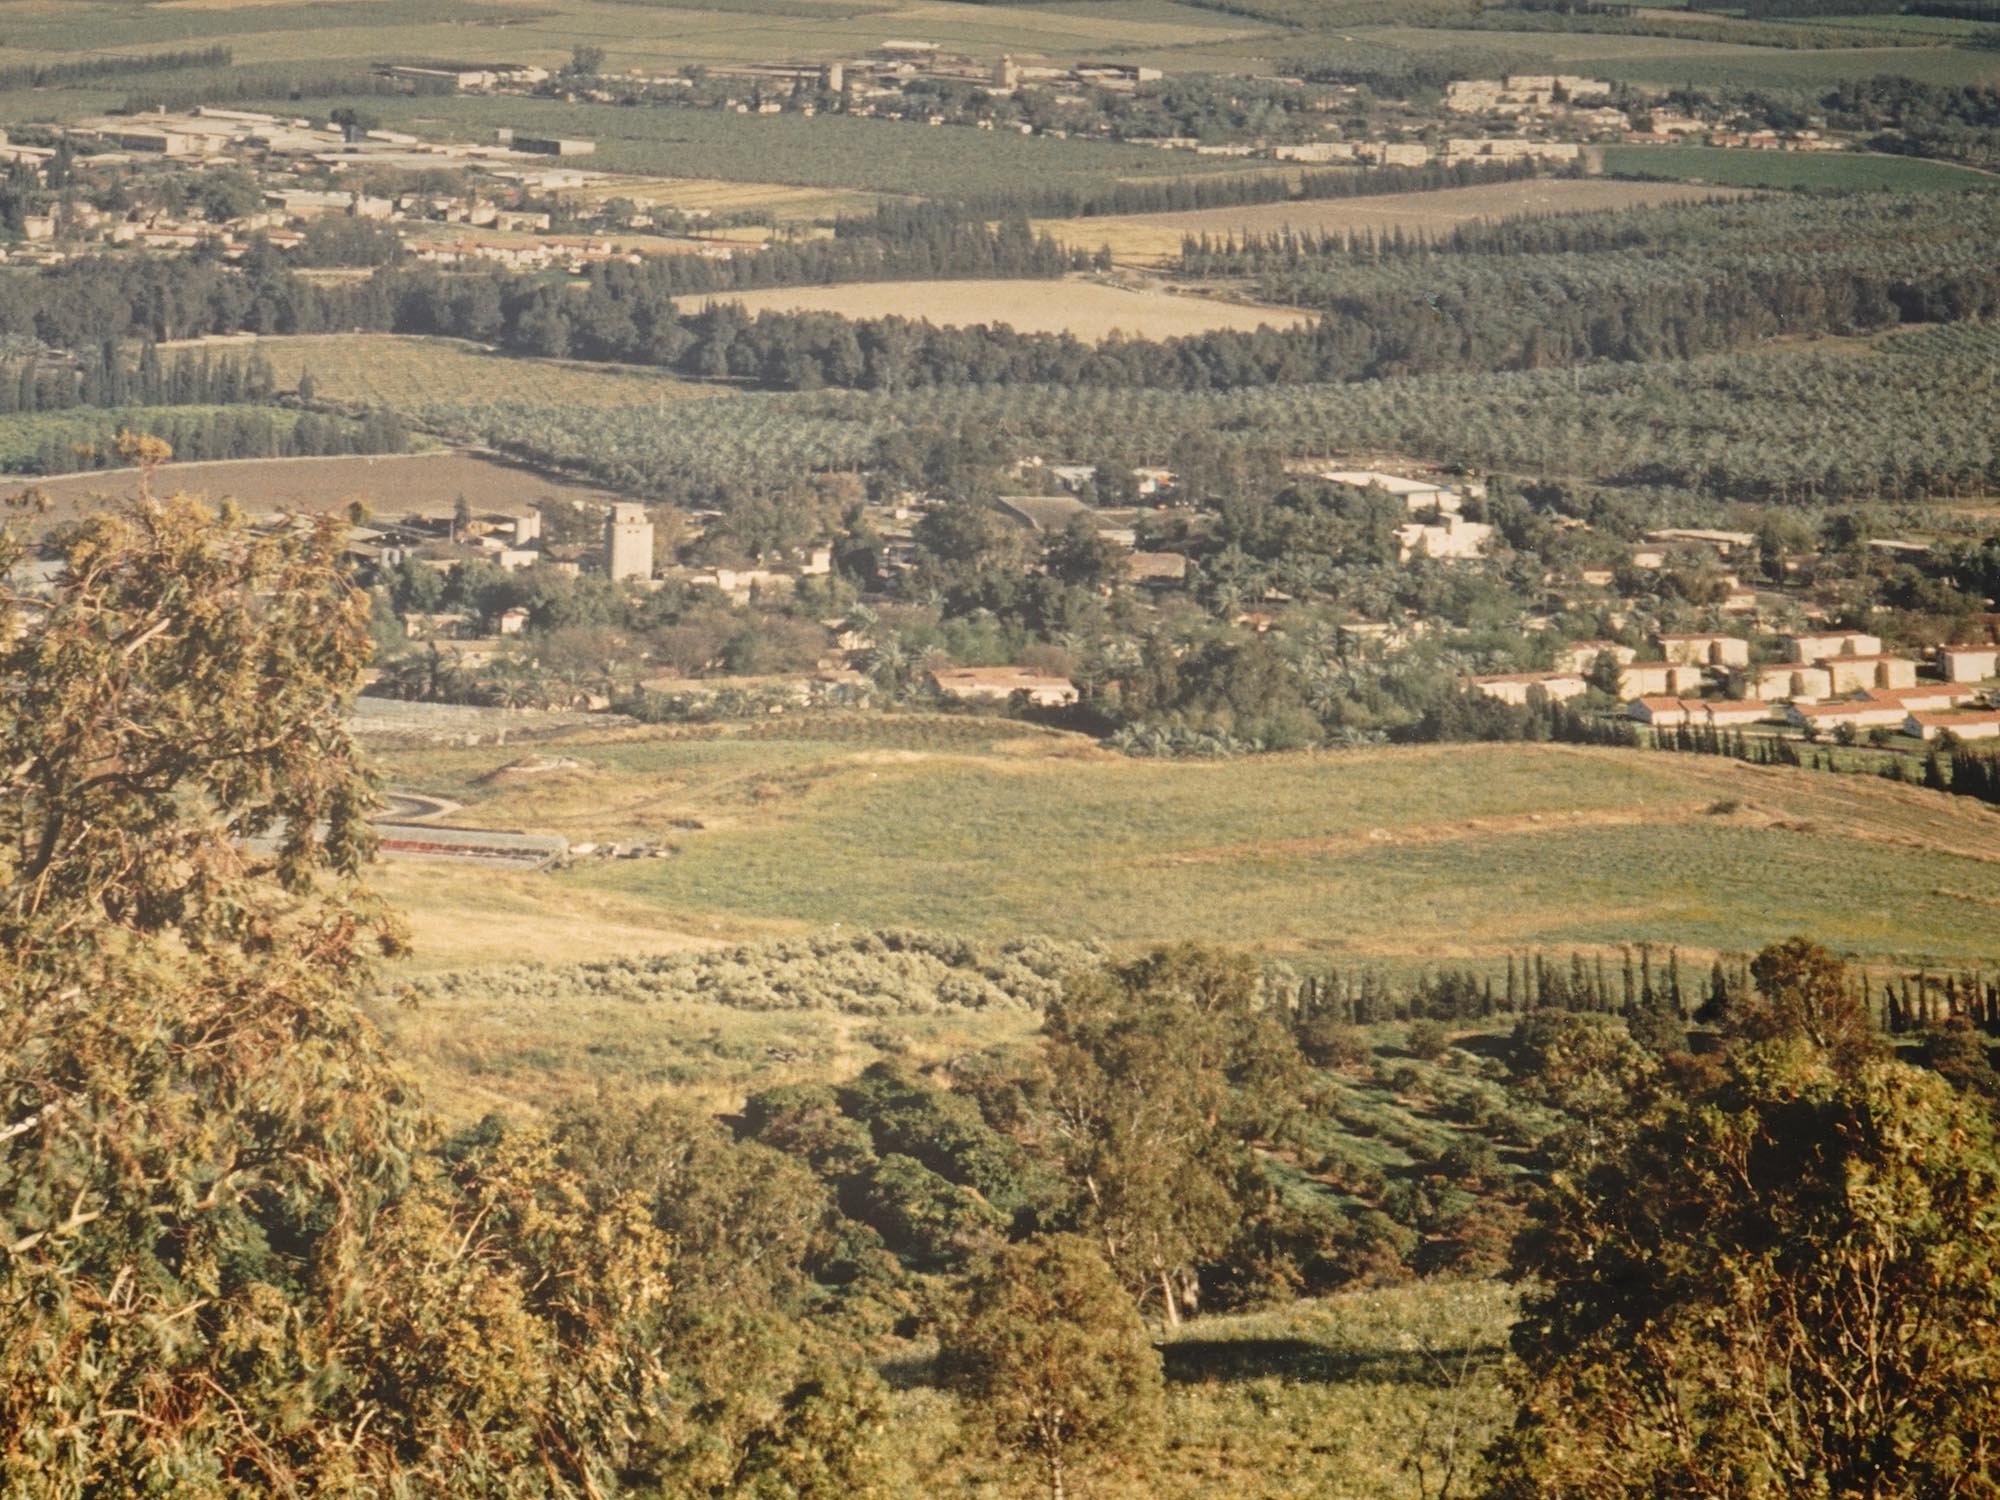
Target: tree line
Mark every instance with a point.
(195, 437)
(106, 376)
(1234, 190)
(1473, 317)
(893, 246)
(86, 70)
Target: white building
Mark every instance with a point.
(628, 542)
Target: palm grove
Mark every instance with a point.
(238, 1255)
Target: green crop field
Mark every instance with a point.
(1471, 851)
(888, 156)
(1790, 169)
(1764, 67)
(1616, 57)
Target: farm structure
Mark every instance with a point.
(1000, 684)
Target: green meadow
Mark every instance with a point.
(1790, 169)
(1406, 855)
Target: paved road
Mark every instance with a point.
(408, 831)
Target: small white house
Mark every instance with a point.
(1852, 673)
(1822, 644)
(1969, 663)
(1515, 687)
(1977, 724)
(1705, 650)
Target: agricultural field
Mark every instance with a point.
(1086, 310)
(1152, 238)
(644, 35)
(1911, 407)
(395, 484)
(374, 369)
(1467, 852)
(1791, 169)
(1674, 60)
(822, 152)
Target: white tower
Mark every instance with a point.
(628, 543)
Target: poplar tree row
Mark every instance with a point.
(103, 376)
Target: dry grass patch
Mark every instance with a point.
(1153, 238)
(391, 485)
(1086, 309)
(380, 369)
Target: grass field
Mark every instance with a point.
(1791, 169)
(1329, 1398)
(373, 369)
(1424, 854)
(1156, 237)
(1087, 309)
(390, 486)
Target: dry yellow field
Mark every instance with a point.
(390, 485)
(1151, 238)
(380, 369)
(1087, 309)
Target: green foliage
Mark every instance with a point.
(1739, 426)
(1159, 1072)
(1789, 169)
(1783, 1285)
(890, 972)
(230, 1263)
(1804, 991)
(1052, 1361)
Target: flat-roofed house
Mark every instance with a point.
(1973, 724)
(1417, 494)
(1852, 673)
(1662, 713)
(1581, 656)
(1723, 542)
(1160, 570)
(1705, 650)
(1732, 713)
(1783, 680)
(1824, 716)
(1451, 540)
(999, 684)
(1969, 663)
(1819, 645)
(1515, 687)
(1930, 698)
(1656, 679)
